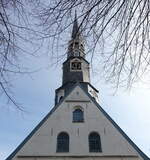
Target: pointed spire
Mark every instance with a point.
(75, 30)
(76, 44)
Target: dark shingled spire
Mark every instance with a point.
(75, 30)
(76, 44)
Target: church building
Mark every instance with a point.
(77, 127)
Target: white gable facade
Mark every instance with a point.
(42, 145)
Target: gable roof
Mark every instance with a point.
(142, 154)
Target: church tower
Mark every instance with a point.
(76, 67)
(77, 127)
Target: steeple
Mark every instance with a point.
(76, 67)
(76, 44)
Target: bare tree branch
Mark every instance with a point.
(118, 28)
(118, 32)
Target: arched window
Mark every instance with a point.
(63, 142)
(94, 142)
(78, 115)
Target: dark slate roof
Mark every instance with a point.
(143, 155)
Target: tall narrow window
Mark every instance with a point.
(63, 142)
(94, 142)
(78, 115)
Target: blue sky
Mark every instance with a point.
(36, 92)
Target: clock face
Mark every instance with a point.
(76, 66)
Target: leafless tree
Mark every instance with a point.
(15, 33)
(117, 31)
